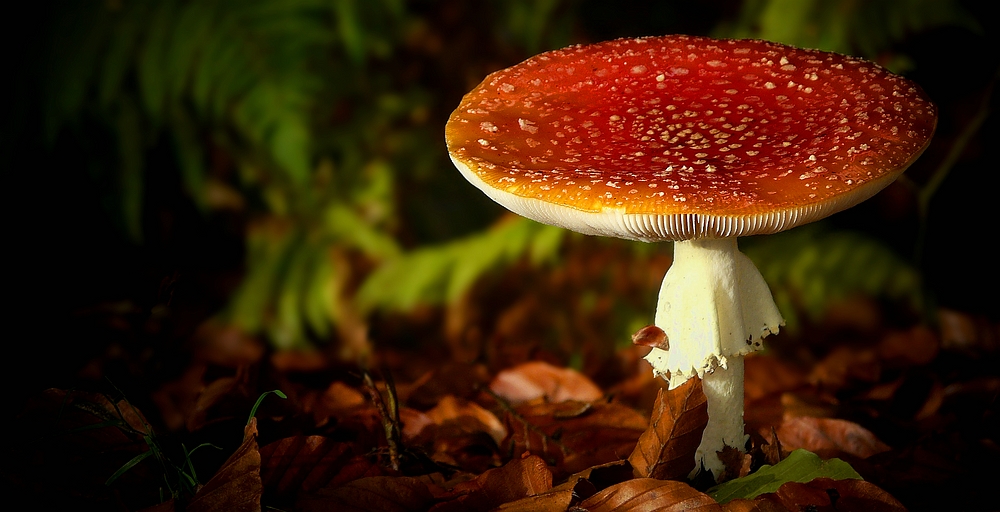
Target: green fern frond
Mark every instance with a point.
(439, 274)
(808, 268)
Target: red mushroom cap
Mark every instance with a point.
(680, 137)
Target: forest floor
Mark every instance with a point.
(911, 408)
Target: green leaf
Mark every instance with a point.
(191, 32)
(436, 274)
(801, 466)
(152, 76)
(319, 300)
(128, 465)
(131, 166)
(253, 412)
(121, 52)
(351, 30)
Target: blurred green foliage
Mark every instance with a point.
(812, 266)
(866, 28)
(319, 123)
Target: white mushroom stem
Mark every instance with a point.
(714, 307)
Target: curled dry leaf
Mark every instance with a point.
(519, 478)
(651, 336)
(666, 450)
(537, 379)
(236, 486)
(829, 437)
(643, 494)
(468, 414)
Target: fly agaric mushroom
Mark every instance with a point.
(698, 141)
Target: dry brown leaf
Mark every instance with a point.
(225, 345)
(824, 494)
(519, 478)
(845, 365)
(771, 448)
(554, 500)
(338, 400)
(223, 397)
(381, 493)
(461, 433)
(605, 475)
(447, 378)
(736, 463)
(765, 374)
(573, 436)
(969, 333)
(79, 410)
(301, 361)
(469, 415)
(829, 437)
(307, 463)
(177, 398)
(809, 402)
(666, 450)
(236, 486)
(538, 379)
(651, 336)
(643, 494)
(917, 346)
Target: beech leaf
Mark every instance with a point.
(307, 463)
(666, 450)
(573, 436)
(236, 486)
(642, 494)
(800, 466)
(518, 479)
(537, 379)
(829, 437)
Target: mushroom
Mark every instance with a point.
(698, 141)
